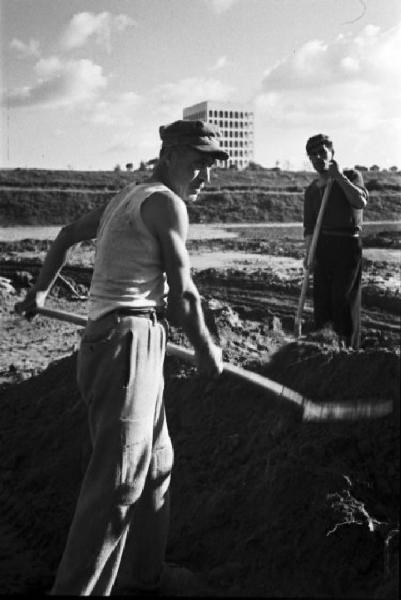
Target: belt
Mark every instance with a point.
(154, 313)
(339, 233)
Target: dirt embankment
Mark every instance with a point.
(34, 197)
(264, 502)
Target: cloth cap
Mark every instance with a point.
(317, 141)
(197, 134)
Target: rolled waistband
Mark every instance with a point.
(154, 313)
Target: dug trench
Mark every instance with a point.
(264, 503)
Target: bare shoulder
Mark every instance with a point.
(165, 200)
(164, 209)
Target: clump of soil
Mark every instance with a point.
(263, 503)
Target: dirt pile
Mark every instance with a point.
(263, 503)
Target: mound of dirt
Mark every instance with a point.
(263, 502)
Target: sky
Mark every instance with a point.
(85, 84)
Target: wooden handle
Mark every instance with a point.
(318, 224)
(301, 303)
(310, 259)
(60, 315)
(311, 411)
(254, 379)
(244, 375)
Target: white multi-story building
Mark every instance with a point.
(235, 123)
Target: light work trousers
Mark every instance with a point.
(121, 518)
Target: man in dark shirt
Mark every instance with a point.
(337, 267)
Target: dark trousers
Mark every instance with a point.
(337, 286)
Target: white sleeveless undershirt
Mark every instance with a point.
(128, 270)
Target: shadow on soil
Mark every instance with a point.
(263, 504)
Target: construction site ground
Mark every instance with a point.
(264, 502)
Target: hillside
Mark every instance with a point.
(41, 197)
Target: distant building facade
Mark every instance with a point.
(235, 123)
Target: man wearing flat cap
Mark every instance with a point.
(141, 270)
(337, 267)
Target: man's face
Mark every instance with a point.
(189, 170)
(320, 158)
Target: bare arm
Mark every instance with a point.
(355, 194)
(84, 228)
(166, 216)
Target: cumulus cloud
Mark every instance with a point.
(60, 83)
(220, 6)
(350, 88)
(353, 80)
(25, 50)
(370, 56)
(101, 26)
(170, 98)
(164, 103)
(118, 111)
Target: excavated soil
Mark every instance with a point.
(265, 502)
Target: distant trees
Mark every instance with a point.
(117, 169)
(253, 166)
(148, 165)
(129, 166)
(393, 169)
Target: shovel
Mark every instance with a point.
(307, 409)
(310, 259)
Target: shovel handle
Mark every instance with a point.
(61, 315)
(310, 411)
(243, 375)
(310, 259)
